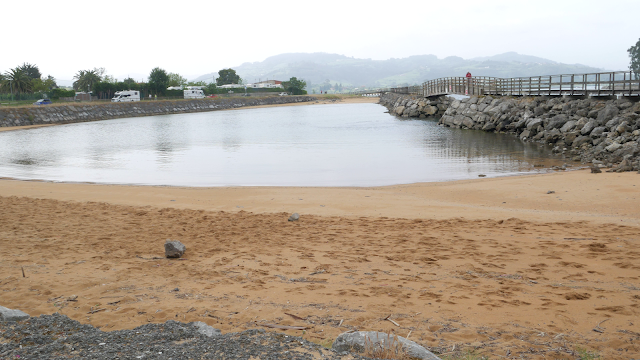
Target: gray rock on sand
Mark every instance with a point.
(174, 249)
(205, 329)
(294, 217)
(12, 315)
(357, 340)
(595, 169)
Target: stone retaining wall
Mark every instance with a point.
(604, 133)
(415, 106)
(79, 112)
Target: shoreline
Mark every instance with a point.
(319, 101)
(576, 193)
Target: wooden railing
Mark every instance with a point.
(595, 84)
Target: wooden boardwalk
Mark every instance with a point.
(616, 83)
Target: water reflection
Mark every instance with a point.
(316, 145)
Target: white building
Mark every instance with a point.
(232, 86)
(267, 84)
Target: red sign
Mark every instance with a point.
(469, 74)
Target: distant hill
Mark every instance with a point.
(319, 69)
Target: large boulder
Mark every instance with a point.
(623, 127)
(607, 113)
(533, 123)
(581, 140)
(430, 110)
(12, 315)
(358, 341)
(568, 126)
(399, 110)
(556, 122)
(597, 132)
(588, 127)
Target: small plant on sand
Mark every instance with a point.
(585, 354)
(326, 343)
(389, 348)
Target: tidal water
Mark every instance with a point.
(315, 145)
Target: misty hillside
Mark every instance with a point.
(317, 68)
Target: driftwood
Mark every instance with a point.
(284, 327)
(296, 317)
(393, 322)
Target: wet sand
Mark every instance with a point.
(497, 265)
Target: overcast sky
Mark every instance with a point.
(195, 37)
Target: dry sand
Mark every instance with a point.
(497, 265)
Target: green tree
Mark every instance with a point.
(210, 88)
(295, 86)
(158, 81)
(30, 70)
(17, 81)
(176, 80)
(634, 54)
(44, 84)
(130, 83)
(87, 79)
(227, 76)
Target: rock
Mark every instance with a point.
(12, 315)
(356, 341)
(570, 137)
(568, 126)
(430, 110)
(557, 121)
(174, 249)
(294, 217)
(607, 114)
(623, 127)
(598, 131)
(399, 110)
(533, 123)
(613, 147)
(588, 127)
(595, 169)
(581, 140)
(551, 192)
(205, 329)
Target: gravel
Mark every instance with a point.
(58, 337)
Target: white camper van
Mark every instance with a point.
(126, 95)
(193, 94)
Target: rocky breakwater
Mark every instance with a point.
(79, 112)
(605, 133)
(415, 106)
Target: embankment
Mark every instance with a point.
(604, 133)
(79, 112)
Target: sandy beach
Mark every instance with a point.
(497, 265)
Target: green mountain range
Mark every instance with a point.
(320, 69)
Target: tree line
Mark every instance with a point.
(27, 79)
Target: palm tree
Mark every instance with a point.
(30, 70)
(86, 79)
(17, 81)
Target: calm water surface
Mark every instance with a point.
(316, 145)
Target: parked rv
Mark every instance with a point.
(126, 96)
(194, 94)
